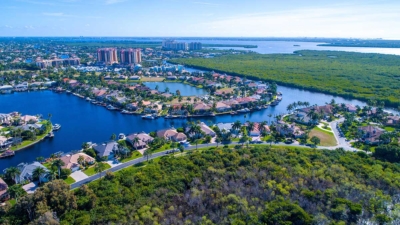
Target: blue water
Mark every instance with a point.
(186, 90)
(82, 121)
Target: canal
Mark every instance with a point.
(82, 121)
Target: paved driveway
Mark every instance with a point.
(78, 175)
(31, 187)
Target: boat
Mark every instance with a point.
(56, 127)
(110, 107)
(68, 92)
(233, 113)
(7, 154)
(121, 136)
(245, 110)
(148, 117)
(127, 112)
(94, 102)
(88, 99)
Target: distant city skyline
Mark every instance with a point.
(201, 18)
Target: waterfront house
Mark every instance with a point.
(326, 110)
(392, 120)
(132, 106)
(27, 172)
(257, 130)
(303, 118)
(351, 108)
(206, 130)
(245, 101)
(171, 134)
(289, 129)
(371, 134)
(29, 119)
(71, 161)
(22, 87)
(5, 118)
(30, 127)
(134, 77)
(222, 107)
(144, 140)
(4, 196)
(171, 77)
(106, 150)
(201, 108)
(232, 103)
(3, 141)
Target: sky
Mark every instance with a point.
(202, 18)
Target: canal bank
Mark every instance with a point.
(83, 122)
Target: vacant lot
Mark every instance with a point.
(327, 138)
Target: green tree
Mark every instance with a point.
(38, 173)
(315, 140)
(99, 168)
(58, 163)
(16, 191)
(13, 173)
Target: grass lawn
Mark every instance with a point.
(327, 138)
(47, 165)
(69, 180)
(163, 148)
(389, 129)
(91, 172)
(12, 201)
(135, 155)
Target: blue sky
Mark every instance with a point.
(202, 18)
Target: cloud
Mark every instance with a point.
(332, 21)
(29, 27)
(111, 2)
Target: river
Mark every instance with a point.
(83, 122)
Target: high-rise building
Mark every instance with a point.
(195, 46)
(107, 55)
(172, 45)
(130, 56)
(56, 63)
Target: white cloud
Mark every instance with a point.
(350, 21)
(29, 27)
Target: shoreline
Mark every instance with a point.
(311, 89)
(33, 143)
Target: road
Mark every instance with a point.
(342, 143)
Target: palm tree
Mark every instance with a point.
(236, 126)
(147, 154)
(49, 116)
(13, 173)
(38, 172)
(99, 168)
(113, 137)
(135, 142)
(250, 126)
(261, 127)
(58, 163)
(40, 159)
(52, 174)
(16, 191)
(81, 160)
(195, 129)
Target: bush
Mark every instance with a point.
(65, 173)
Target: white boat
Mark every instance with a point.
(88, 99)
(148, 117)
(50, 135)
(56, 127)
(121, 136)
(110, 107)
(245, 110)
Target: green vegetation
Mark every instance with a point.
(326, 138)
(69, 180)
(92, 170)
(134, 155)
(228, 185)
(353, 75)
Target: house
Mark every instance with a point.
(172, 78)
(171, 134)
(6, 89)
(132, 106)
(22, 87)
(222, 107)
(258, 129)
(303, 118)
(5, 118)
(371, 134)
(144, 140)
(245, 101)
(106, 149)
(71, 161)
(392, 120)
(201, 108)
(325, 111)
(36, 126)
(167, 95)
(29, 119)
(204, 128)
(3, 191)
(351, 108)
(27, 172)
(134, 78)
(289, 129)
